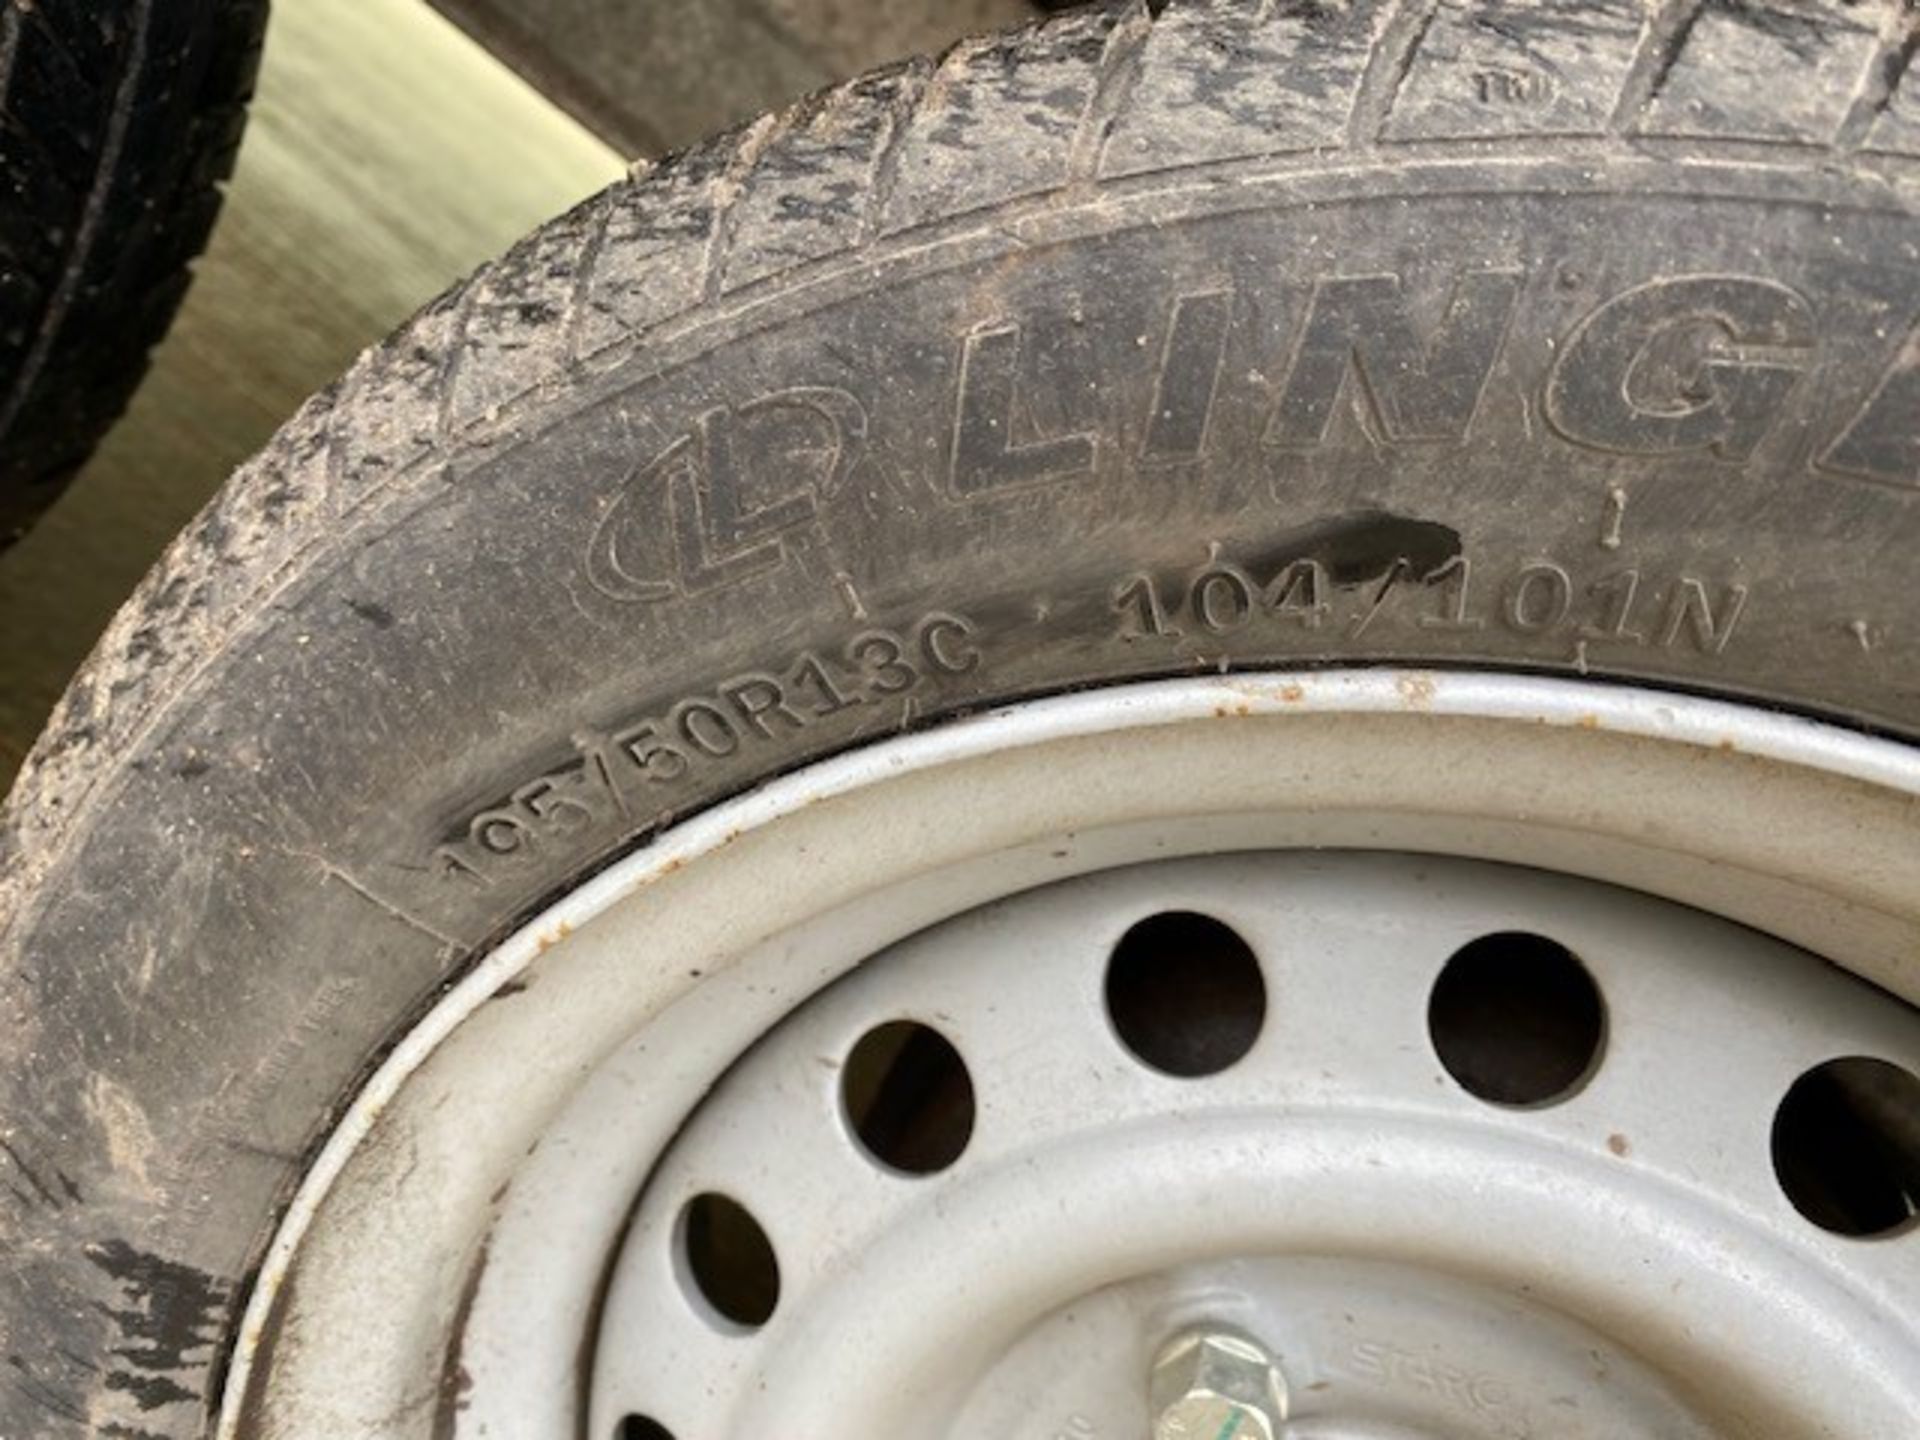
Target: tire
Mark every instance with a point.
(1544, 337)
(120, 121)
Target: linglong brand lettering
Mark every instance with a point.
(1690, 365)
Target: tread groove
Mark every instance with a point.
(1883, 79)
(1119, 69)
(748, 145)
(885, 174)
(1394, 53)
(573, 348)
(447, 371)
(1661, 43)
(11, 22)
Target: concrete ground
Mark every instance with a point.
(387, 156)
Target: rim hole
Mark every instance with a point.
(730, 1259)
(908, 1097)
(1846, 1146)
(1517, 1020)
(640, 1427)
(1185, 994)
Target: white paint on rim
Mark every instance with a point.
(1655, 1233)
(1797, 827)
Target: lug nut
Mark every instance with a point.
(1216, 1385)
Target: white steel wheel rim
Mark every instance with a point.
(451, 1244)
(1606, 1263)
